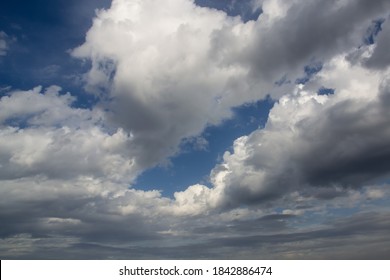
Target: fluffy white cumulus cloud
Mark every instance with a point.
(62, 170)
(164, 72)
(162, 66)
(169, 70)
(43, 135)
(317, 145)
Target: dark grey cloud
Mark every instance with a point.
(87, 219)
(356, 233)
(351, 140)
(310, 30)
(168, 99)
(316, 145)
(380, 58)
(273, 223)
(362, 236)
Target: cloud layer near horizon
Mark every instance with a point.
(66, 172)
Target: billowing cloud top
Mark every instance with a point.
(163, 73)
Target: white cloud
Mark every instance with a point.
(43, 135)
(287, 35)
(165, 72)
(170, 77)
(312, 143)
(71, 162)
(167, 77)
(376, 193)
(36, 108)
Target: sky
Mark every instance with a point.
(207, 129)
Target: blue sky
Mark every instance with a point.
(194, 163)
(194, 129)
